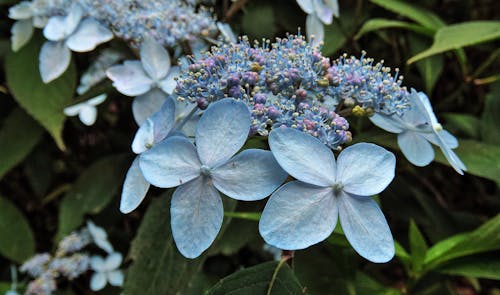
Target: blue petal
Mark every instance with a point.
(169, 83)
(88, 36)
(134, 189)
(324, 13)
(60, 27)
(450, 140)
(22, 10)
(306, 5)
(144, 138)
(170, 163)
(314, 30)
(365, 227)
(146, 105)
(365, 169)
(222, 131)
(388, 123)
(54, 59)
(196, 216)
(303, 156)
(130, 78)
(21, 31)
(452, 158)
(251, 175)
(155, 59)
(416, 148)
(298, 215)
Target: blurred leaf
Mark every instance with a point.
(376, 24)
(255, 216)
(402, 254)
(483, 267)
(365, 285)
(91, 192)
(158, 267)
(460, 35)
(418, 246)
(45, 102)
(16, 242)
(258, 21)
(15, 147)
(467, 125)
(483, 239)
(334, 38)
(431, 68)
(422, 16)
(267, 278)
(8, 2)
(237, 235)
(490, 120)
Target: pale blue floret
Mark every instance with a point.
(65, 33)
(106, 270)
(417, 128)
(172, 119)
(304, 212)
(319, 12)
(201, 171)
(87, 110)
(150, 79)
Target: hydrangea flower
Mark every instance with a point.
(86, 111)
(173, 118)
(99, 236)
(96, 72)
(73, 242)
(417, 128)
(319, 12)
(71, 267)
(106, 271)
(150, 79)
(201, 172)
(65, 33)
(304, 212)
(36, 265)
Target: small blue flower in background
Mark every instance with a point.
(304, 212)
(319, 12)
(96, 72)
(417, 128)
(150, 79)
(86, 111)
(202, 171)
(99, 236)
(106, 271)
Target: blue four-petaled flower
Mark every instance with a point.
(204, 170)
(304, 212)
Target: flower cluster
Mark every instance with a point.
(69, 262)
(290, 83)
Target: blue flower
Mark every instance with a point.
(417, 128)
(150, 79)
(86, 111)
(319, 12)
(202, 171)
(106, 271)
(304, 212)
(69, 32)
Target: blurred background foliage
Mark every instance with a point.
(55, 173)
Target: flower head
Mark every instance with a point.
(417, 128)
(106, 271)
(203, 170)
(304, 212)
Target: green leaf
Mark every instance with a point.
(460, 35)
(258, 21)
(431, 68)
(418, 246)
(467, 125)
(422, 16)
(402, 254)
(17, 242)
(266, 278)
(44, 102)
(334, 38)
(255, 216)
(483, 239)
(490, 120)
(14, 147)
(366, 285)
(158, 267)
(476, 266)
(376, 24)
(92, 191)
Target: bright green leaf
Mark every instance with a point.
(274, 278)
(376, 24)
(45, 102)
(14, 147)
(490, 120)
(418, 246)
(483, 239)
(483, 267)
(431, 68)
(92, 191)
(422, 16)
(460, 35)
(16, 242)
(402, 254)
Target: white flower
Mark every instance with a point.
(106, 271)
(86, 111)
(69, 32)
(99, 236)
